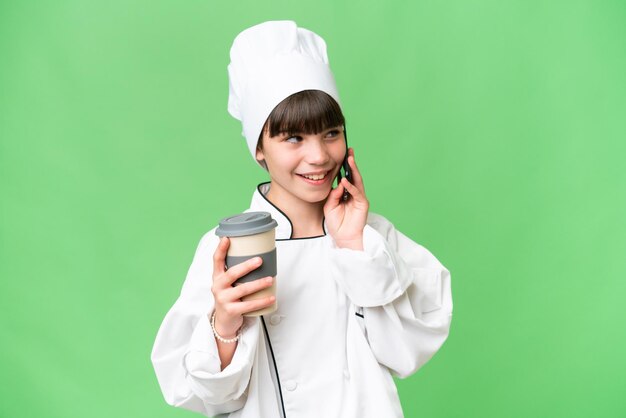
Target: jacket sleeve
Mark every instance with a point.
(185, 356)
(401, 291)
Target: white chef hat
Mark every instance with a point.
(268, 63)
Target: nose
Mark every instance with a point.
(316, 152)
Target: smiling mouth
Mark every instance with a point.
(315, 177)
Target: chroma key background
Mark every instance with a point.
(491, 132)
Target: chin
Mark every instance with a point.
(315, 197)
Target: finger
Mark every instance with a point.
(253, 305)
(357, 178)
(352, 189)
(239, 270)
(358, 197)
(241, 290)
(334, 197)
(219, 257)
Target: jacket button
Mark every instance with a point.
(275, 319)
(291, 385)
(346, 374)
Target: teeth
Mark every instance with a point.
(317, 177)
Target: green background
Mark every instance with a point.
(492, 132)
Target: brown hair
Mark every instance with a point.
(306, 112)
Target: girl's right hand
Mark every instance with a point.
(229, 308)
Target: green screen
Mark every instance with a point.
(491, 132)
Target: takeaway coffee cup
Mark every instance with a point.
(252, 234)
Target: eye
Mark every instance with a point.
(294, 139)
(332, 134)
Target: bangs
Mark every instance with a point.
(306, 112)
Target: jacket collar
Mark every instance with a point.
(260, 202)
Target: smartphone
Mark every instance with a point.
(346, 169)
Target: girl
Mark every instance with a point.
(358, 301)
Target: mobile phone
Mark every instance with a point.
(346, 169)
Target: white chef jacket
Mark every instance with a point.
(346, 321)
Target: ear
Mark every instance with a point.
(260, 158)
(259, 154)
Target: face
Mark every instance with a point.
(303, 166)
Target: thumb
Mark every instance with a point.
(334, 198)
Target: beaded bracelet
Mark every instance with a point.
(219, 337)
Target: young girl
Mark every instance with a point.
(358, 301)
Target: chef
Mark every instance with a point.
(358, 301)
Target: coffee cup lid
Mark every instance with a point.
(247, 223)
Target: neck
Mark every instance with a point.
(306, 218)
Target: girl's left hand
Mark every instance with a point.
(346, 220)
